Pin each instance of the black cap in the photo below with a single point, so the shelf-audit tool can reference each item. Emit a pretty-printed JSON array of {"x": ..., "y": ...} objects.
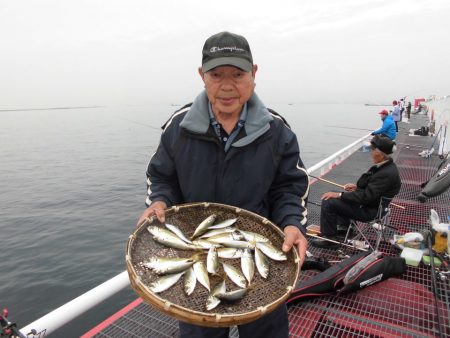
[
  {"x": 383, "y": 143},
  {"x": 226, "y": 48}
]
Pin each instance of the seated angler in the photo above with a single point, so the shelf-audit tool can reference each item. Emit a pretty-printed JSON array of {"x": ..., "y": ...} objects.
[
  {"x": 360, "y": 201},
  {"x": 388, "y": 127}
]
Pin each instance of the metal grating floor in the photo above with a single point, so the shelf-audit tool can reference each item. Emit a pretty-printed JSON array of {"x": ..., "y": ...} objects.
[{"x": 397, "y": 307}]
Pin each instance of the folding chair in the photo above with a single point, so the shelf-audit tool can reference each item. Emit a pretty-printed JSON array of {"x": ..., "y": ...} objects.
[{"x": 371, "y": 229}]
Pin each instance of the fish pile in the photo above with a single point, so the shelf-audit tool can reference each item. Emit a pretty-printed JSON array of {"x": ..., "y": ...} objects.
[{"x": 221, "y": 240}]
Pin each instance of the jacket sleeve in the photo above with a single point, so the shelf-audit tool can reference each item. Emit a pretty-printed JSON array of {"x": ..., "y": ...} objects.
[
  {"x": 383, "y": 129},
  {"x": 371, "y": 193},
  {"x": 162, "y": 181},
  {"x": 289, "y": 191}
]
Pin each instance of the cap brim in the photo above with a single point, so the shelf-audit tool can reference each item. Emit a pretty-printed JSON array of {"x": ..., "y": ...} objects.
[{"x": 227, "y": 61}]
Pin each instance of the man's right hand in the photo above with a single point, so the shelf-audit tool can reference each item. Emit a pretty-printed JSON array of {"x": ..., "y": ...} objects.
[
  {"x": 157, "y": 209},
  {"x": 350, "y": 187}
]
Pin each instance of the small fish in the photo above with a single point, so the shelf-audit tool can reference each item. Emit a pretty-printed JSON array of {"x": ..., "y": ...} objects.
[
  {"x": 248, "y": 265},
  {"x": 168, "y": 238},
  {"x": 165, "y": 282},
  {"x": 212, "y": 260},
  {"x": 163, "y": 266},
  {"x": 232, "y": 296},
  {"x": 203, "y": 226},
  {"x": 235, "y": 275},
  {"x": 253, "y": 236},
  {"x": 212, "y": 300},
  {"x": 201, "y": 274},
  {"x": 204, "y": 244},
  {"x": 238, "y": 244},
  {"x": 229, "y": 253},
  {"x": 226, "y": 236},
  {"x": 215, "y": 232},
  {"x": 262, "y": 263},
  {"x": 176, "y": 230},
  {"x": 224, "y": 224},
  {"x": 270, "y": 251},
  {"x": 189, "y": 281}
]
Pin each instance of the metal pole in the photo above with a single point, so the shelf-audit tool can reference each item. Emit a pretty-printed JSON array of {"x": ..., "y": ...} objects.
[{"x": 69, "y": 311}]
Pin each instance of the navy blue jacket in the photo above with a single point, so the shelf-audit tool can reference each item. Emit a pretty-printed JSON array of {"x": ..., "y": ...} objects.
[{"x": 262, "y": 172}]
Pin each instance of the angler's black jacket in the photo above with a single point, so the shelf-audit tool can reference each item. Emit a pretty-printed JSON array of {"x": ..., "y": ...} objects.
[
  {"x": 382, "y": 181},
  {"x": 262, "y": 171}
]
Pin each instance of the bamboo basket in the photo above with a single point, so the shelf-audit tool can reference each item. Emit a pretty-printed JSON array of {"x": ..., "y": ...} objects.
[{"x": 264, "y": 295}]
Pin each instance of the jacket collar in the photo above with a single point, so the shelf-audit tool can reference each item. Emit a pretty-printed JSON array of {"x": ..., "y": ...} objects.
[{"x": 257, "y": 123}]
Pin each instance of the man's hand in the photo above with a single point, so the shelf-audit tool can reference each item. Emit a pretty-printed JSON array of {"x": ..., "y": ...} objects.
[
  {"x": 157, "y": 209},
  {"x": 330, "y": 194},
  {"x": 293, "y": 236},
  {"x": 350, "y": 187}
]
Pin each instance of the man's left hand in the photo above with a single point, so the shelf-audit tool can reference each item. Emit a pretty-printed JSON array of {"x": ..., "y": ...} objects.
[{"x": 293, "y": 236}]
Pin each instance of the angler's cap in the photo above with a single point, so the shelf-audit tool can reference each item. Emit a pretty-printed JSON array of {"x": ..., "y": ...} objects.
[
  {"x": 383, "y": 144},
  {"x": 384, "y": 112},
  {"x": 226, "y": 49}
]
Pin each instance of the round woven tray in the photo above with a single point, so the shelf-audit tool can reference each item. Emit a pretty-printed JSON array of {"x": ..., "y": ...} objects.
[{"x": 264, "y": 295}]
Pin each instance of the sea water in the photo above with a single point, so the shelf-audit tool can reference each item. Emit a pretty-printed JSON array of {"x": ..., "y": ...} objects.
[{"x": 73, "y": 185}]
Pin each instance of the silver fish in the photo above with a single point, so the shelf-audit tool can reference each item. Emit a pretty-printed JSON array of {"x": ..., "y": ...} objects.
[
  {"x": 253, "y": 236},
  {"x": 224, "y": 224},
  {"x": 215, "y": 232},
  {"x": 204, "y": 244},
  {"x": 262, "y": 263},
  {"x": 176, "y": 230},
  {"x": 165, "y": 282},
  {"x": 232, "y": 296},
  {"x": 226, "y": 236},
  {"x": 168, "y": 238},
  {"x": 238, "y": 244},
  {"x": 270, "y": 251},
  {"x": 235, "y": 275},
  {"x": 248, "y": 265},
  {"x": 212, "y": 300},
  {"x": 229, "y": 253},
  {"x": 201, "y": 274},
  {"x": 163, "y": 266},
  {"x": 203, "y": 226},
  {"x": 189, "y": 281},
  {"x": 212, "y": 260}
]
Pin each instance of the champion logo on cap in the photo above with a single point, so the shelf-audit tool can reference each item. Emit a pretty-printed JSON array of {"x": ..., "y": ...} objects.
[{"x": 230, "y": 49}]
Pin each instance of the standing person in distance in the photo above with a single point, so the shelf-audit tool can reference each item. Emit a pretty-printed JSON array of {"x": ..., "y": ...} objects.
[
  {"x": 395, "y": 111},
  {"x": 227, "y": 147}
]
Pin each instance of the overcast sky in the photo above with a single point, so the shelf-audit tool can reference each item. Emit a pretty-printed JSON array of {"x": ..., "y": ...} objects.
[{"x": 62, "y": 53}]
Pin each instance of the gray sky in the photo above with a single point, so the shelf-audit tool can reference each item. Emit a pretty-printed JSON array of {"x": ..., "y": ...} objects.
[{"x": 62, "y": 53}]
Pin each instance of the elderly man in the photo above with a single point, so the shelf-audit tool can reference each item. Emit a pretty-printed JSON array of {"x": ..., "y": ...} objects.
[
  {"x": 227, "y": 147},
  {"x": 388, "y": 128},
  {"x": 360, "y": 201}
]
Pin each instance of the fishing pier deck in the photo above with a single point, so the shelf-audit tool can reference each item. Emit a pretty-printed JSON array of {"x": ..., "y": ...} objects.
[{"x": 403, "y": 306}]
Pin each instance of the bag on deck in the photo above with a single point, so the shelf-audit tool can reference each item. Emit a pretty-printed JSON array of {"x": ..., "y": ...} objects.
[
  {"x": 422, "y": 131},
  {"x": 354, "y": 273},
  {"x": 437, "y": 184}
]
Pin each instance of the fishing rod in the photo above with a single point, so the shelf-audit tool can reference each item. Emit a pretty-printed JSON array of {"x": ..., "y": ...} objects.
[
  {"x": 433, "y": 279},
  {"x": 343, "y": 187},
  {"x": 335, "y": 242},
  {"x": 349, "y": 128}
]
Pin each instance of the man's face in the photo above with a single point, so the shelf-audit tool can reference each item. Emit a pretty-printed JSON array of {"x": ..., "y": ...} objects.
[
  {"x": 228, "y": 88},
  {"x": 377, "y": 156}
]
